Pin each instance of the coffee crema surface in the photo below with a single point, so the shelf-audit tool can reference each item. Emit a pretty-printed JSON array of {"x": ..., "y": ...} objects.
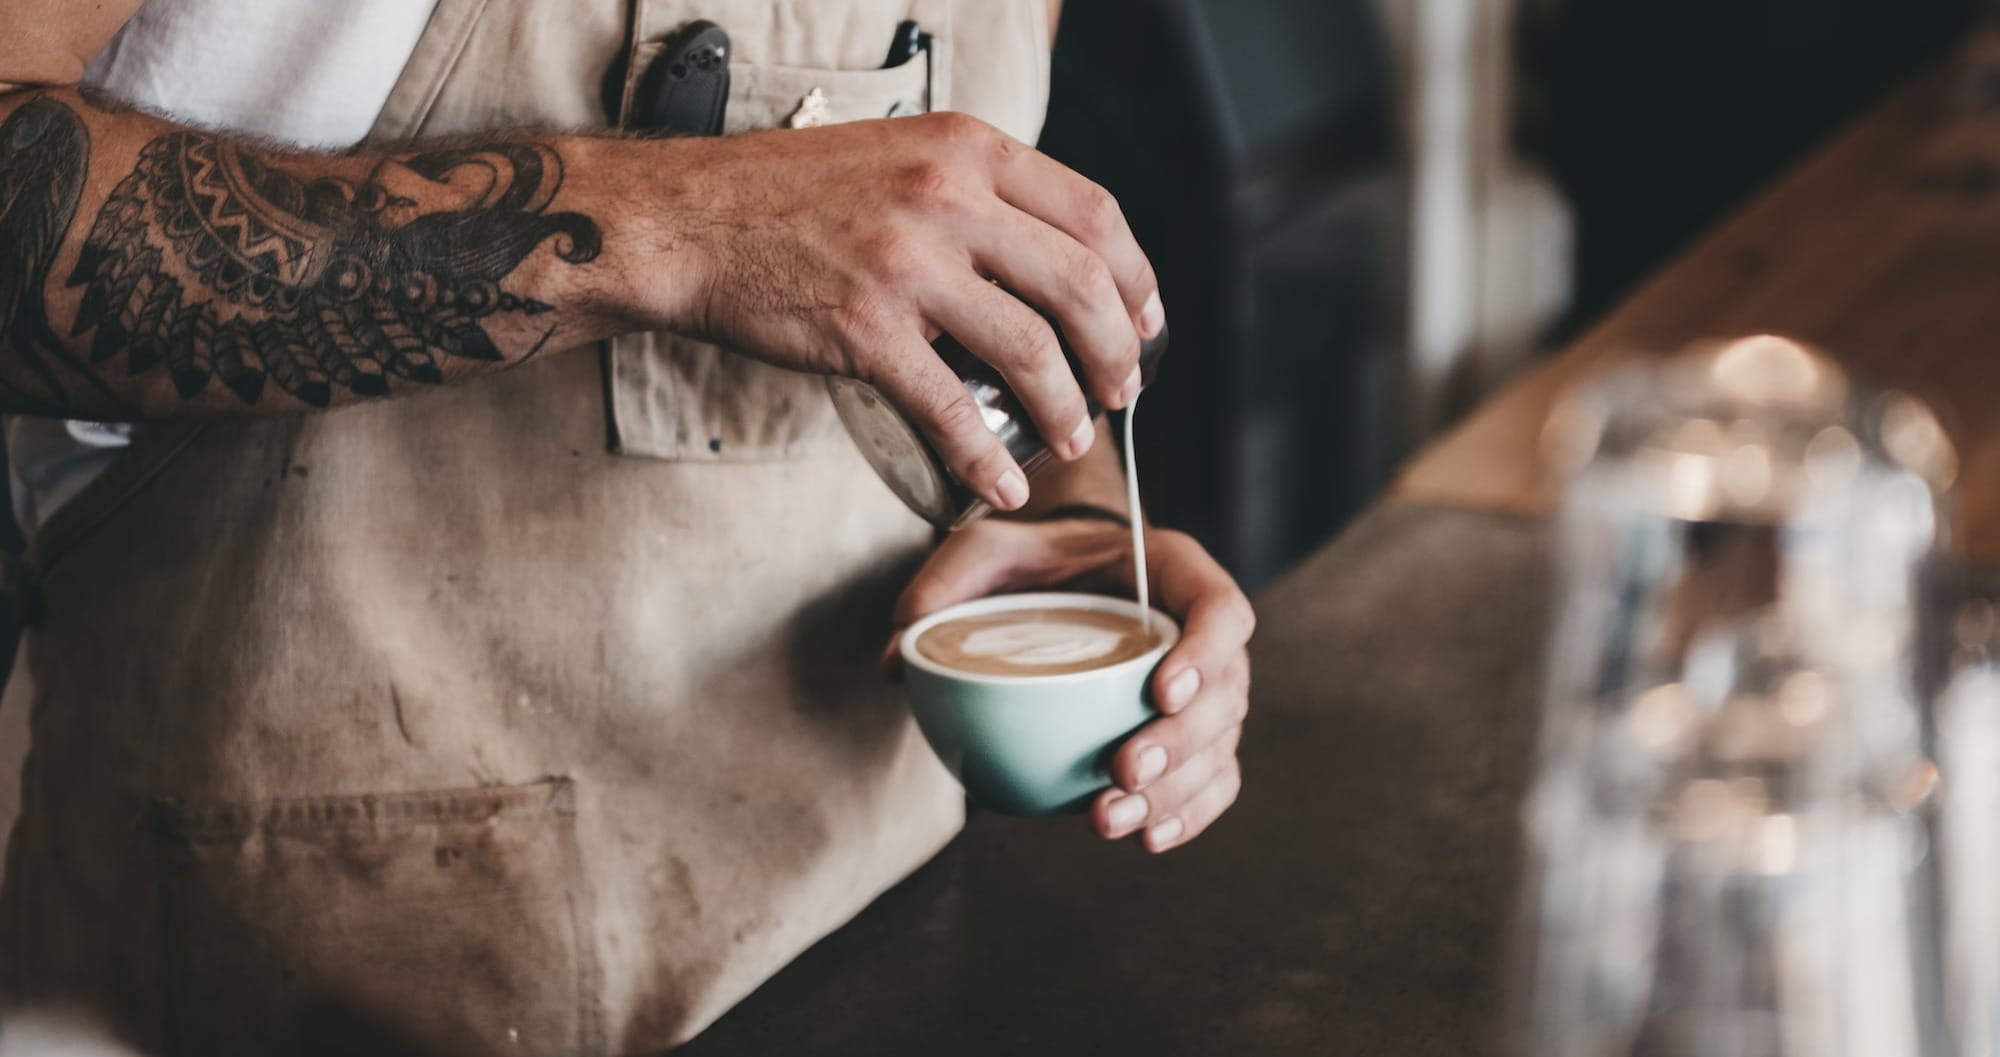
[{"x": 1042, "y": 641}]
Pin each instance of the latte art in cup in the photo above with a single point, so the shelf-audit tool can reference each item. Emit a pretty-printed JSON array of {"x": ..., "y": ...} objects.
[
  {"x": 1035, "y": 642},
  {"x": 1023, "y": 696}
]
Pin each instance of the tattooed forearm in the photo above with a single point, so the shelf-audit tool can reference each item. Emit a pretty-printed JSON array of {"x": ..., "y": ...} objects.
[
  {"x": 222, "y": 267},
  {"x": 227, "y": 268},
  {"x": 44, "y": 152}
]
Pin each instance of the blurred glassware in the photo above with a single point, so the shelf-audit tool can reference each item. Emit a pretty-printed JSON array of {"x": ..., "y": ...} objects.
[
  {"x": 1968, "y": 740},
  {"x": 43, "y": 1033},
  {"x": 1724, "y": 859}
]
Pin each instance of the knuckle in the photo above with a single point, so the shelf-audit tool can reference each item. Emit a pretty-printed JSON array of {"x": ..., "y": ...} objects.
[
  {"x": 1029, "y": 343},
  {"x": 1232, "y": 785},
  {"x": 1089, "y": 278},
  {"x": 955, "y": 414},
  {"x": 869, "y": 322},
  {"x": 888, "y": 252},
  {"x": 926, "y": 184},
  {"x": 959, "y": 128},
  {"x": 1097, "y": 209},
  {"x": 1239, "y": 706},
  {"x": 1236, "y": 674},
  {"x": 1245, "y": 616},
  {"x": 1006, "y": 148},
  {"x": 1231, "y": 741}
]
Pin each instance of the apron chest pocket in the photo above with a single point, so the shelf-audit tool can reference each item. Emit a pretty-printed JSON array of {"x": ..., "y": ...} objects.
[
  {"x": 454, "y": 919},
  {"x": 668, "y": 397}
]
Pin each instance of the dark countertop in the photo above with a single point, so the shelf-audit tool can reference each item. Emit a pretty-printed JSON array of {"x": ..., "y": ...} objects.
[{"x": 1356, "y": 900}]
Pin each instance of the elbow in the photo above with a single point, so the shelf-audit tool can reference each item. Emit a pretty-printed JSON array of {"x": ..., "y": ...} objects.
[
  {"x": 49, "y": 66},
  {"x": 47, "y": 74},
  {"x": 17, "y": 86}
]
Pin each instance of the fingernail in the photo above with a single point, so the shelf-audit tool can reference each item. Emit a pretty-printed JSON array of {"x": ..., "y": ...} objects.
[
  {"x": 1152, "y": 764},
  {"x": 1013, "y": 489},
  {"x": 1130, "y": 390},
  {"x": 1180, "y": 690},
  {"x": 1164, "y": 832},
  {"x": 1125, "y": 814},
  {"x": 1152, "y": 317},
  {"x": 1079, "y": 441}
]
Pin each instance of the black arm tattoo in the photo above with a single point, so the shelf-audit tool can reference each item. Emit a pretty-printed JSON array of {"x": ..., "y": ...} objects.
[
  {"x": 214, "y": 259},
  {"x": 44, "y": 154}
]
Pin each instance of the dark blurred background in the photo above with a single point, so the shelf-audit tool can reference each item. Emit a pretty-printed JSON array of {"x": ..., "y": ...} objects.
[{"x": 1368, "y": 213}]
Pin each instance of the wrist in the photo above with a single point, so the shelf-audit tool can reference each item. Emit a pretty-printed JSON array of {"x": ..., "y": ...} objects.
[{"x": 652, "y": 272}]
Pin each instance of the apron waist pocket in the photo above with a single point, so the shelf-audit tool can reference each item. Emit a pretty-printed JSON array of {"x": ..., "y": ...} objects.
[{"x": 286, "y": 922}]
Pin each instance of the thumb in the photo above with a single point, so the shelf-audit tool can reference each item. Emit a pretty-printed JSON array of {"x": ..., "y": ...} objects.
[
  {"x": 974, "y": 562},
  {"x": 982, "y": 559}
]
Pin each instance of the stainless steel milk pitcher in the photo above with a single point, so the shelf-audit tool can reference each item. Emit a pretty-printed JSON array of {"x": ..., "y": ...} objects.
[{"x": 914, "y": 471}]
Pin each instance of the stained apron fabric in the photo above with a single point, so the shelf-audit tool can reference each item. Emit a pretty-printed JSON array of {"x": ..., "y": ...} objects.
[
  {"x": 442, "y": 708},
  {"x": 212, "y": 63}
]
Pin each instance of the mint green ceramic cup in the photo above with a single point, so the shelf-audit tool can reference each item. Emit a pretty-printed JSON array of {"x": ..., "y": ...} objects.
[{"x": 1031, "y": 744}]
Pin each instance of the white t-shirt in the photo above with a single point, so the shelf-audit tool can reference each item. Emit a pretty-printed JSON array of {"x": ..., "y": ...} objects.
[{"x": 307, "y": 72}]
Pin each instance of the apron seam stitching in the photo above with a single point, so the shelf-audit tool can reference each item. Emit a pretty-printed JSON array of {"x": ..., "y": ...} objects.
[{"x": 428, "y": 105}]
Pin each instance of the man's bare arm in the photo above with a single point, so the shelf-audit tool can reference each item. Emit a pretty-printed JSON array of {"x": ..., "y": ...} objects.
[
  {"x": 148, "y": 268},
  {"x": 152, "y": 269}
]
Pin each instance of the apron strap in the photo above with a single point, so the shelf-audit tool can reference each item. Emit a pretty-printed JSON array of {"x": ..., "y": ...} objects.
[{"x": 438, "y": 51}]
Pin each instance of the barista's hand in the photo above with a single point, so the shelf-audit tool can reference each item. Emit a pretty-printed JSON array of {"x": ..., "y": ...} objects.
[
  {"x": 1178, "y": 773},
  {"x": 847, "y": 249}
]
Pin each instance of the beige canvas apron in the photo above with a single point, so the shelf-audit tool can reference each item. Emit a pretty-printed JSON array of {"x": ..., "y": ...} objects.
[{"x": 443, "y": 706}]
